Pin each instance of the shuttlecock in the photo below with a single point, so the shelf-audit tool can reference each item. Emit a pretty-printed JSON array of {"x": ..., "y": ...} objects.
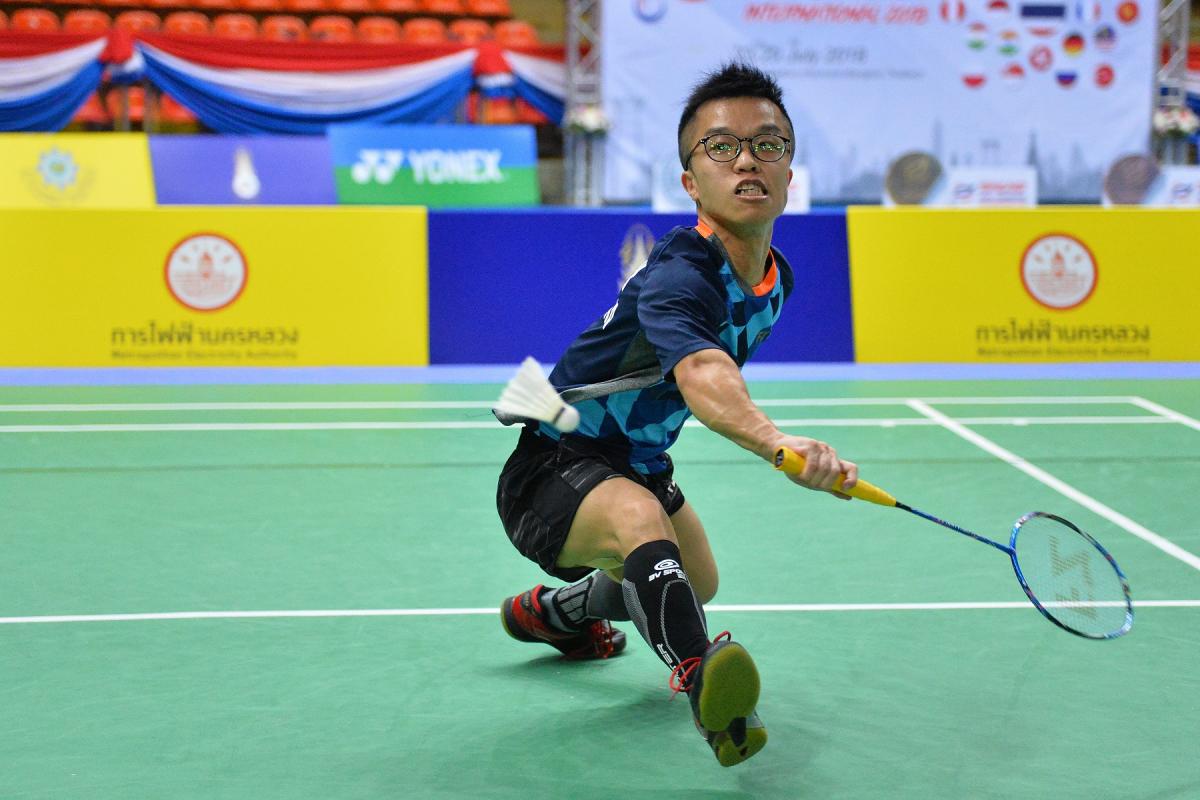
[{"x": 530, "y": 395}]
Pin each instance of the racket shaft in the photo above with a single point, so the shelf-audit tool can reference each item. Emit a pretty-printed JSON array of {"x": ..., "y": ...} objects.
[{"x": 791, "y": 462}]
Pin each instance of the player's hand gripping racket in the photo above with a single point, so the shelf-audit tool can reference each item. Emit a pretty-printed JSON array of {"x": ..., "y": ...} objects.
[{"x": 1067, "y": 575}]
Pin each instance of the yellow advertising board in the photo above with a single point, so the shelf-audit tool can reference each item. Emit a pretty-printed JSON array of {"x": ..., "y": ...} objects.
[
  {"x": 1024, "y": 285},
  {"x": 203, "y": 286},
  {"x": 75, "y": 170}
]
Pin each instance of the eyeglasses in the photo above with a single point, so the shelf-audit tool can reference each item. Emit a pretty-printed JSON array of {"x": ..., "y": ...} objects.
[{"x": 723, "y": 147}]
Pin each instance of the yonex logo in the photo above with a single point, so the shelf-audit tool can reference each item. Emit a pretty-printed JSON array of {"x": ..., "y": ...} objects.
[{"x": 668, "y": 563}]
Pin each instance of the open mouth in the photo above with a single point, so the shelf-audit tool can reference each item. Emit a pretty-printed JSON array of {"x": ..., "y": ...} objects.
[{"x": 751, "y": 189}]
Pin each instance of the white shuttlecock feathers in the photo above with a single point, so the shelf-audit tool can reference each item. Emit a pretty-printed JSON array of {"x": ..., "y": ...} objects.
[{"x": 530, "y": 395}]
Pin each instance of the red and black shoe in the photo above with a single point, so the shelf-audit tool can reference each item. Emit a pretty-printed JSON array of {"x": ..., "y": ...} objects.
[
  {"x": 723, "y": 687},
  {"x": 524, "y": 619}
]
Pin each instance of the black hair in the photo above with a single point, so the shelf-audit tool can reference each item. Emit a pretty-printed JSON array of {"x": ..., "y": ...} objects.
[{"x": 735, "y": 79}]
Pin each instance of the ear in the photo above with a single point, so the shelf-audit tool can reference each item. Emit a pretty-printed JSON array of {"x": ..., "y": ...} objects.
[{"x": 689, "y": 185}]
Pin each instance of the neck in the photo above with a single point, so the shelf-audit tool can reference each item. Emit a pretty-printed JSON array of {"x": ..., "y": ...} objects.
[{"x": 747, "y": 250}]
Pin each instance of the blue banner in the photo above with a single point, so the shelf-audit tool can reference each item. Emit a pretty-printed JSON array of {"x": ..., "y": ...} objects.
[
  {"x": 505, "y": 285},
  {"x": 242, "y": 170}
]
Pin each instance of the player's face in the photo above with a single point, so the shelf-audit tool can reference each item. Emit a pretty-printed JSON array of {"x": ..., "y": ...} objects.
[{"x": 746, "y": 192}]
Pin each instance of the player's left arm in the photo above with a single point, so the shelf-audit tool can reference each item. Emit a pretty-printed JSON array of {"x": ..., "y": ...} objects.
[{"x": 713, "y": 388}]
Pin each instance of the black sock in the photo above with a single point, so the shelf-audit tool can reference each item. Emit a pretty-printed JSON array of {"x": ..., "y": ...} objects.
[{"x": 661, "y": 602}]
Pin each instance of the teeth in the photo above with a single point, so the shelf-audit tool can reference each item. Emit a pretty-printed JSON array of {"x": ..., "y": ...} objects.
[{"x": 751, "y": 190}]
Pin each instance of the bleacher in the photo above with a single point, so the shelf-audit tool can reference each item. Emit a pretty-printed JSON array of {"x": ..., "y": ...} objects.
[{"x": 420, "y": 22}]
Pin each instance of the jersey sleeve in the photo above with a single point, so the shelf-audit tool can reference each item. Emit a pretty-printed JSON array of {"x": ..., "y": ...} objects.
[{"x": 681, "y": 310}]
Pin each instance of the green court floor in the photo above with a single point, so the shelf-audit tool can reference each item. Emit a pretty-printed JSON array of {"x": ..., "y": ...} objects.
[{"x": 285, "y": 591}]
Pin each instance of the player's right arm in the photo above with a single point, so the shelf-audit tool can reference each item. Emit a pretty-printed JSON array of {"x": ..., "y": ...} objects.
[{"x": 713, "y": 388}]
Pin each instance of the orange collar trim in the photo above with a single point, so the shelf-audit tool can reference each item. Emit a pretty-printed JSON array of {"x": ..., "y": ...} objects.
[{"x": 772, "y": 275}]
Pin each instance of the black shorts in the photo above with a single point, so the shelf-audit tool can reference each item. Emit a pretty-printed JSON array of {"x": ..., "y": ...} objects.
[{"x": 543, "y": 483}]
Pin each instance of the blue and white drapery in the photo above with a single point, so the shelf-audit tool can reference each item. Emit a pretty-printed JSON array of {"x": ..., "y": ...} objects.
[
  {"x": 45, "y": 78},
  {"x": 285, "y": 89}
]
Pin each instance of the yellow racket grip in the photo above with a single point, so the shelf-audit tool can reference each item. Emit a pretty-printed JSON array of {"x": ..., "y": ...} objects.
[{"x": 791, "y": 462}]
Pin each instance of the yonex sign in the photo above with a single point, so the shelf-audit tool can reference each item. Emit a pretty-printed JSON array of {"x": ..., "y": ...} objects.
[{"x": 439, "y": 166}]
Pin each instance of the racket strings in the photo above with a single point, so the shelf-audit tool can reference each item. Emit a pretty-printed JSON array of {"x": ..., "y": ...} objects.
[{"x": 1071, "y": 577}]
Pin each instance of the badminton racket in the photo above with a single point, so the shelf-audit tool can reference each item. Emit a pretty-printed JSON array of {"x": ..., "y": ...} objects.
[{"x": 1067, "y": 575}]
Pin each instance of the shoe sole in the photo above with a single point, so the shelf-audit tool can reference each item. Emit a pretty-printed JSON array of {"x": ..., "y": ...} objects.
[
  {"x": 730, "y": 688},
  {"x": 729, "y": 753},
  {"x": 509, "y": 623}
]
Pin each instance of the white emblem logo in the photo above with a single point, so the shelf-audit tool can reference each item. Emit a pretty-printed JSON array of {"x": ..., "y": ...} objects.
[
  {"x": 246, "y": 184},
  {"x": 1059, "y": 271},
  {"x": 635, "y": 251},
  {"x": 667, "y": 563},
  {"x": 57, "y": 168},
  {"x": 206, "y": 272}
]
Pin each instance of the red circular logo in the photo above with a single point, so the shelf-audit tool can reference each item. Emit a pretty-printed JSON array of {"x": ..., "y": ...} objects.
[
  {"x": 1041, "y": 57},
  {"x": 1104, "y": 75},
  {"x": 206, "y": 272},
  {"x": 1059, "y": 271}
]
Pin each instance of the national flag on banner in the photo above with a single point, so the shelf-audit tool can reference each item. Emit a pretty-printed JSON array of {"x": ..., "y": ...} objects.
[
  {"x": 953, "y": 10},
  {"x": 1073, "y": 44},
  {"x": 1043, "y": 11},
  {"x": 1106, "y": 38},
  {"x": 1086, "y": 11},
  {"x": 1041, "y": 58},
  {"x": 1104, "y": 76},
  {"x": 1127, "y": 12},
  {"x": 1066, "y": 78}
]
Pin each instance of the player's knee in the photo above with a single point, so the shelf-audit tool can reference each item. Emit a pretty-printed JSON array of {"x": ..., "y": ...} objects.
[{"x": 640, "y": 519}]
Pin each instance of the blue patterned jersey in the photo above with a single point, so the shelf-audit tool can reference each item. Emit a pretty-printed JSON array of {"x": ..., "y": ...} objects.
[{"x": 618, "y": 373}]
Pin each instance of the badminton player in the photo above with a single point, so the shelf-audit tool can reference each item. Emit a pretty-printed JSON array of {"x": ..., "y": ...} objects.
[{"x": 598, "y": 508}]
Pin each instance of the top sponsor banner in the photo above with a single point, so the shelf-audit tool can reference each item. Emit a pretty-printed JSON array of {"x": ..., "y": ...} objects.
[
  {"x": 1062, "y": 88},
  {"x": 75, "y": 170},
  {"x": 440, "y": 166},
  {"x": 242, "y": 170}
]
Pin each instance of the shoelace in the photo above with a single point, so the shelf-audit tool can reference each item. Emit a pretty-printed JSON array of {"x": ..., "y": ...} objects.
[
  {"x": 602, "y": 638},
  {"x": 681, "y": 676}
]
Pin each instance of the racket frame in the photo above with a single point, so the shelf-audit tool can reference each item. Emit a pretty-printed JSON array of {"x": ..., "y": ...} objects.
[{"x": 1045, "y": 612}]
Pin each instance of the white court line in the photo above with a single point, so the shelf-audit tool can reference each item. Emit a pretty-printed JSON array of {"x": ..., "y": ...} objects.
[
  {"x": 1174, "y": 416},
  {"x": 880, "y": 422},
  {"x": 455, "y": 612},
  {"x": 1040, "y": 475},
  {"x": 416, "y": 405}
]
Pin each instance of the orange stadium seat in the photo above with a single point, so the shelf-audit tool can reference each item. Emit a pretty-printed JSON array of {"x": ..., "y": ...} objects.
[
  {"x": 444, "y": 8},
  {"x": 470, "y": 31},
  {"x": 283, "y": 28},
  {"x": 235, "y": 26},
  {"x": 169, "y": 5},
  {"x": 121, "y": 3},
  {"x": 215, "y": 5},
  {"x": 86, "y": 20},
  {"x": 264, "y": 6},
  {"x": 398, "y": 6},
  {"x": 34, "y": 19},
  {"x": 380, "y": 30},
  {"x": 331, "y": 28},
  {"x": 528, "y": 115},
  {"x": 137, "y": 103},
  {"x": 135, "y": 21},
  {"x": 351, "y": 6},
  {"x": 305, "y": 6},
  {"x": 92, "y": 112},
  {"x": 192, "y": 23},
  {"x": 423, "y": 30},
  {"x": 170, "y": 111},
  {"x": 489, "y": 8},
  {"x": 515, "y": 33}
]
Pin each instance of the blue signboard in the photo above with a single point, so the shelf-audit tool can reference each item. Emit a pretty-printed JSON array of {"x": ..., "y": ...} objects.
[
  {"x": 242, "y": 170},
  {"x": 440, "y": 166},
  {"x": 505, "y": 285}
]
